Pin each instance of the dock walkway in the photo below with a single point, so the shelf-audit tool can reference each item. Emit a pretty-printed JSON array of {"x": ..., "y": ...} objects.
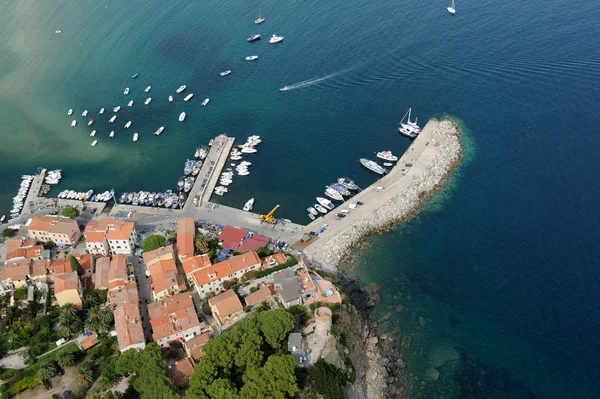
[{"x": 34, "y": 190}]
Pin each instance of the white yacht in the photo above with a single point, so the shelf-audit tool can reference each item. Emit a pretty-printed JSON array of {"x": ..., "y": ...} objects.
[
  {"x": 114, "y": 118},
  {"x": 90, "y": 122},
  {"x": 248, "y": 150},
  {"x": 252, "y": 57},
  {"x": 275, "y": 39},
  {"x": 170, "y": 99},
  {"x": 205, "y": 102},
  {"x": 94, "y": 143},
  {"x": 135, "y": 137},
  {"x": 93, "y": 133},
  {"x": 126, "y": 91},
  {"x": 182, "y": 117},
  {"x": 248, "y": 206},
  {"x": 284, "y": 88},
  {"x": 117, "y": 108},
  {"x": 70, "y": 112},
  {"x": 188, "y": 97},
  {"x": 410, "y": 125},
  {"x": 452, "y": 9},
  {"x": 159, "y": 131},
  {"x": 130, "y": 103},
  {"x": 84, "y": 113},
  {"x": 74, "y": 123},
  {"x": 112, "y": 134},
  {"x": 387, "y": 156},
  {"x": 148, "y": 100},
  {"x": 147, "y": 89},
  {"x": 127, "y": 125},
  {"x": 260, "y": 18},
  {"x": 181, "y": 88}
]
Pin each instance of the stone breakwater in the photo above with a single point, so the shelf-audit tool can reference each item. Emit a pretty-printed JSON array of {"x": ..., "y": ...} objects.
[{"x": 433, "y": 154}]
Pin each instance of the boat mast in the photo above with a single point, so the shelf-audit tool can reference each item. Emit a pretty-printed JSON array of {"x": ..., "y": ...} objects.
[
  {"x": 408, "y": 120},
  {"x": 401, "y": 120}
]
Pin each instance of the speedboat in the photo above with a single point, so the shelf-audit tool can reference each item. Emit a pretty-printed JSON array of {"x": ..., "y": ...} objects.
[
  {"x": 127, "y": 125},
  {"x": 93, "y": 133},
  {"x": 126, "y": 91},
  {"x": 253, "y": 38},
  {"x": 182, "y": 117},
  {"x": 130, "y": 103},
  {"x": 148, "y": 100},
  {"x": 248, "y": 206},
  {"x": 74, "y": 123},
  {"x": 320, "y": 208},
  {"x": 203, "y": 153},
  {"x": 248, "y": 150},
  {"x": 181, "y": 88},
  {"x": 135, "y": 75},
  {"x": 325, "y": 202},
  {"x": 70, "y": 112},
  {"x": 275, "y": 39},
  {"x": 180, "y": 183},
  {"x": 117, "y": 108},
  {"x": 312, "y": 211},
  {"x": 225, "y": 73},
  {"x": 84, "y": 113},
  {"x": 252, "y": 57},
  {"x": 135, "y": 137},
  {"x": 91, "y": 121},
  {"x": 245, "y": 163},
  {"x": 243, "y": 172},
  {"x": 159, "y": 131},
  {"x": 101, "y": 111},
  {"x": 235, "y": 157},
  {"x": 187, "y": 98},
  {"x": 170, "y": 99},
  {"x": 112, "y": 134},
  {"x": 205, "y": 102},
  {"x": 388, "y": 164},
  {"x": 387, "y": 155},
  {"x": 373, "y": 166},
  {"x": 111, "y": 120},
  {"x": 333, "y": 194},
  {"x": 260, "y": 18},
  {"x": 94, "y": 143},
  {"x": 341, "y": 189},
  {"x": 147, "y": 89},
  {"x": 284, "y": 88}
]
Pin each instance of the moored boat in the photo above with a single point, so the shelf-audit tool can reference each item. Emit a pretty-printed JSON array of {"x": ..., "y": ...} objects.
[
  {"x": 112, "y": 134},
  {"x": 135, "y": 75},
  {"x": 320, "y": 208},
  {"x": 312, "y": 211},
  {"x": 101, "y": 111},
  {"x": 260, "y": 18},
  {"x": 159, "y": 131},
  {"x": 252, "y": 57},
  {"x": 148, "y": 89},
  {"x": 188, "y": 97},
  {"x": 225, "y": 73},
  {"x": 148, "y": 100},
  {"x": 180, "y": 183},
  {"x": 117, "y": 108},
  {"x": 181, "y": 88},
  {"x": 333, "y": 194},
  {"x": 90, "y": 122},
  {"x": 94, "y": 143},
  {"x": 373, "y": 166},
  {"x": 70, "y": 112},
  {"x": 93, "y": 133},
  {"x": 387, "y": 155},
  {"x": 253, "y": 38},
  {"x": 111, "y": 120},
  {"x": 135, "y": 137},
  {"x": 126, "y": 91},
  {"x": 189, "y": 165},
  {"x": 205, "y": 102},
  {"x": 127, "y": 125},
  {"x": 130, "y": 103},
  {"x": 249, "y": 205},
  {"x": 74, "y": 123},
  {"x": 170, "y": 99},
  {"x": 182, "y": 117},
  {"x": 84, "y": 113},
  {"x": 325, "y": 202}
]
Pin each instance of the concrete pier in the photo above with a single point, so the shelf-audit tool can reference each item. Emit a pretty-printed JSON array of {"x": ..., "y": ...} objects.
[{"x": 34, "y": 190}]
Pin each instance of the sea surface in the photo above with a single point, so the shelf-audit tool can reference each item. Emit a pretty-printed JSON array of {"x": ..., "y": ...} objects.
[{"x": 493, "y": 289}]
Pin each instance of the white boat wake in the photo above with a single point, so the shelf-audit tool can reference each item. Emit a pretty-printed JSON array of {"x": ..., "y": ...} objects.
[{"x": 312, "y": 82}]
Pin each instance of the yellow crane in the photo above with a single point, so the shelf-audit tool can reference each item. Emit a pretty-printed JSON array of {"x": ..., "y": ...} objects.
[{"x": 269, "y": 216}]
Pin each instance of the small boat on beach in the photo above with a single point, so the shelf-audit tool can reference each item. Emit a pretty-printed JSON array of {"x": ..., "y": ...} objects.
[
  {"x": 387, "y": 156},
  {"x": 249, "y": 205},
  {"x": 159, "y": 131},
  {"x": 84, "y": 113},
  {"x": 252, "y": 57},
  {"x": 93, "y": 133},
  {"x": 284, "y": 88},
  {"x": 253, "y": 38},
  {"x": 181, "y": 88},
  {"x": 117, "y": 108},
  {"x": 148, "y": 100},
  {"x": 205, "y": 102},
  {"x": 74, "y": 123},
  {"x": 135, "y": 137},
  {"x": 170, "y": 99},
  {"x": 127, "y": 125},
  {"x": 225, "y": 73},
  {"x": 135, "y": 75},
  {"x": 126, "y": 91},
  {"x": 188, "y": 97},
  {"x": 111, "y": 120},
  {"x": 148, "y": 89},
  {"x": 182, "y": 117},
  {"x": 91, "y": 121},
  {"x": 70, "y": 112},
  {"x": 94, "y": 143},
  {"x": 275, "y": 39},
  {"x": 373, "y": 166},
  {"x": 101, "y": 111},
  {"x": 112, "y": 134},
  {"x": 130, "y": 103}
]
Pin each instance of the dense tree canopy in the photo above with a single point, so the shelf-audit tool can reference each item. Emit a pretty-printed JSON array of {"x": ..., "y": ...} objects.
[
  {"x": 76, "y": 266},
  {"x": 70, "y": 212},
  {"x": 69, "y": 323},
  {"x": 153, "y": 242},
  {"x": 275, "y": 326}
]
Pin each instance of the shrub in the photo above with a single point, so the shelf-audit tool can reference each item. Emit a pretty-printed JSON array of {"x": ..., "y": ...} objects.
[
  {"x": 153, "y": 242},
  {"x": 70, "y": 212}
]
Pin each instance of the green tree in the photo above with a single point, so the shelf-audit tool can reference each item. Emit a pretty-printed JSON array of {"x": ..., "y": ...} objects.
[
  {"x": 275, "y": 326},
  {"x": 153, "y": 242},
  {"x": 327, "y": 379},
  {"x": 85, "y": 375},
  {"x": 263, "y": 252},
  {"x": 277, "y": 379},
  {"x": 94, "y": 298},
  {"x": 105, "y": 395},
  {"x": 66, "y": 359},
  {"x": 206, "y": 372},
  {"x": 205, "y": 306},
  {"x": 49, "y": 244},
  {"x": 201, "y": 244},
  {"x": 109, "y": 373},
  {"x": 75, "y": 265},
  {"x": 68, "y": 322},
  {"x": 70, "y": 212},
  {"x": 8, "y": 233},
  {"x": 222, "y": 389},
  {"x": 99, "y": 320},
  {"x": 47, "y": 371}
]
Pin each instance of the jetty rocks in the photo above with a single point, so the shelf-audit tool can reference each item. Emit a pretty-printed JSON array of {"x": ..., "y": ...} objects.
[{"x": 433, "y": 155}]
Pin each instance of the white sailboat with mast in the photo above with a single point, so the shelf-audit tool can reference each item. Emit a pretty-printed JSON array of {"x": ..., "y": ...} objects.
[{"x": 452, "y": 9}]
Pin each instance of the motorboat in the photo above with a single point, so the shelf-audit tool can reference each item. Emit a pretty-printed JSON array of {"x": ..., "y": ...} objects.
[
  {"x": 88, "y": 195},
  {"x": 243, "y": 172},
  {"x": 252, "y": 57},
  {"x": 126, "y": 91},
  {"x": 159, "y": 131},
  {"x": 196, "y": 168},
  {"x": 93, "y": 133},
  {"x": 114, "y": 118},
  {"x": 135, "y": 137},
  {"x": 74, "y": 123},
  {"x": 101, "y": 111},
  {"x": 170, "y": 99},
  {"x": 346, "y": 182},
  {"x": 245, "y": 163},
  {"x": 248, "y": 206},
  {"x": 284, "y": 88},
  {"x": 320, "y": 208},
  {"x": 148, "y": 100},
  {"x": 94, "y": 143},
  {"x": 127, "y": 125},
  {"x": 188, "y": 97},
  {"x": 408, "y": 131},
  {"x": 253, "y": 38},
  {"x": 112, "y": 134},
  {"x": 225, "y": 73},
  {"x": 311, "y": 216},
  {"x": 70, "y": 112},
  {"x": 130, "y": 103},
  {"x": 84, "y": 113},
  {"x": 312, "y": 211},
  {"x": 135, "y": 75},
  {"x": 2, "y": 218},
  {"x": 148, "y": 89},
  {"x": 341, "y": 189},
  {"x": 189, "y": 183},
  {"x": 452, "y": 9},
  {"x": 117, "y": 108},
  {"x": 333, "y": 194},
  {"x": 248, "y": 150},
  {"x": 189, "y": 165},
  {"x": 205, "y": 102},
  {"x": 235, "y": 157},
  {"x": 182, "y": 117},
  {"x": 225, "y": 182},
  {"x": 373, "y": 166},
  {"x": 180, "y": 183},
  {"x": 260, "y": 18},
  {"x": 387, "y": 155},
  {"x": 388, "y": 164},
  {"x": 325, "y": 202},
  {"x": 91, "y": 121},
  {"x": 203, "y": 152},
  {"x": 181, "y": 88},
  {"x": 275, "y": 39}
]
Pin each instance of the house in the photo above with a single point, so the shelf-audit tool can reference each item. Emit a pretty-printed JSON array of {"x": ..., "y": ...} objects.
[
  {"x": 87, "y": 263},
  {"x": 181, "y": 371},
  {"x": 241, "y": 240},
  {"x": 297, "y": 348},
  {"x": 307, "y": 286},
  {"x": 87, "y": 340},
  {"x": 100, "y": 278},
  {"x": 117, "y": 274},
  {"x": 5, "y": 287},
  {"x": 194, "y": 346},
  {"x": 185, "y": 238},
  {"x": 64, "y": 232},
  {"x": 19, "y": 248},
  {"x": 194, "y": 263},
  {"x": 174, "y": 318},
  {"x": 17, "y": 272},
  {"x": 211, "y": 278},
  {"x": 39, "y": 270},
  {"x": 252, "y": 242},
  {"x": 289, "y": 292},
  {"x": 258, "y": 297},
  {"x": 225, "y": 307},
  {"x": 128, "y": 321},
  {"x": 60, "y": 266},
  {"x": 274, "y": 260},
  {"x": 67, "y": 289},
  {"x": 108, "y": 236},
  {"x": 163, "y": 271}
]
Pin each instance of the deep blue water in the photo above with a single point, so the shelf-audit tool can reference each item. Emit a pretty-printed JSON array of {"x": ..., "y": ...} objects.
[{"x": 501, "y": 268}]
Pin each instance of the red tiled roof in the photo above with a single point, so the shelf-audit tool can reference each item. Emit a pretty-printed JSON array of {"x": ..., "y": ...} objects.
[
  {"x": 66, "y": 281},
  {"x": 38, "y": 267},
  {"x": 17, "y": 270},
  {"x": 232, "y": 236},
  {"x": 111, "y": 229},
  {"x": 195, "y": 345},
  {"x": 258, "y": 297},
  {"x": 160, "y": 253},
  {"x": 274, "y": 260},
  {"x": 172, "y": 314},
  {"x": 128, "y": 322},
  {"x": 185, "y": 237},
  {"x": 101, "y": 274},
  {"x": 253, "y": 243},
  {"x": 226, "y": 268},
  {"x": 197, "y": 262},
  {"x": 61, "y": 265},
  {"x": 117, "y": 271},
  {"x": 54, "y": 224},
  {"x": 181, "y": 371},
  {"x": 226, "y": 303}
]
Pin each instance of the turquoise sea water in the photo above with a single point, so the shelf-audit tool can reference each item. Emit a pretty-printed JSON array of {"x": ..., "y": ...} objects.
[{"x": 494, "y": 285}]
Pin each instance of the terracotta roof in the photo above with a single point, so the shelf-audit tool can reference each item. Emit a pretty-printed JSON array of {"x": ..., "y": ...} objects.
[
  {"x": 164, "y": 275},
  {"x": 117, "y": 271},
  {"x": 128, "y": 322},
  {"x": 274, "y": 260},
  {"x": 253, "y": 243},
  {"x": 66, "y": 281},
  {"x": 232, "y": 236},
  {"x": 194, "y": 346},
  {"x": 226, "y": 303},
  {"x": 181, "y": 371},
  {"x": 17, "y": 270},
  {"x": 89, "y": 341},
  {"x": 39, "y": 267},
  {"x": 158, "y": 254},
  {"x": 26, "y": 252},
  {"x": 172, "y": 314},
  {"x": 94, "y": 236},
  {"x": 194, "y": 263},
  {"x": 112, "y": 229},
  {"x": 258, "y": 297},
  {"x": 226, "y": 268},
  {"x": 61, "y": 265},
  {"x": 13, "y": 243},
  {"x": 305, "y": 281},
  {"x": 85, "y": 261},
  {"x": 185, "y": 237},
  {"x": 101, "y": 275},
  {"x": 54, "y": 224}
]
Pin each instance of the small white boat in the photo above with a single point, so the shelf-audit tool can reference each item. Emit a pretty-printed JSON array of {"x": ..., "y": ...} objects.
[
  {"x": 205, "y": 102},
  {"x": 126, "y": 91},
  {"x": 2, "y": 218},
  {"x": 188, "y": 97},
  {"x": 84, "y": 113},
  {"x": 112, "y": 134},
  {"x": 243, "y": 172},
  {"x": 248, "y": 150},
  {"x": 147, "y": 89},
  {"x": 452, "y": 9},
  {"x": 130, "y": 103},
  {"x": 135, "y": 137},
  {"x": 260, "y": 19},
  {"x": 284, "y": 88},
  {"x": 74, "y": 123},
  {"x": 91, "y": 121},
  {"x": 311, "y": 216},
  {"x": 225, "y": 73},
  {"x": 388, "y": 164},
  {"x": 94, "y": 143},
  {"x": 248, "y": 206},
  {"x": 235, "y": 157},
  {"x": 181, "y": 88},
  {"x": 117, "y": 108},
  {"x": 275, "y": 39},
  {"x": 312, "y": 211},
  {"x": 148, "y": 100},
  {"x": 182, "y": 117},
  {"x": 320, "y": 208},
  {"x": 245, "y": 163},
  {"x": 170, "y": 99},
  {"x": 70, "y": 112},
  {"x": 387, "y": 156},
  {"x": 252, "y": 57},
  {"x": 93, "y": 133},
  {"x": 101, "y": 111},
  {"x": 127, "y": 125},
  {"x": 159, "y": 131},
  {"x": 114, "y": 118}
]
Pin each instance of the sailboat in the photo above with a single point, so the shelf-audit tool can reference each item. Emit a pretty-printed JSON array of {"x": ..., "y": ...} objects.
[
  {"x": 410, "y": 125},
  {"x": 451, "y": 9},
  {"x": 260, "y": 19}
]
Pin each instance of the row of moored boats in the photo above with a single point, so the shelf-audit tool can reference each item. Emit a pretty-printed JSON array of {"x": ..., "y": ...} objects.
[
  {"x": 168, "y": 199},
  {"x": 238, "y": 169},
  {"x": 87, "y": 195},
  {"x": 18, "y": 200}
]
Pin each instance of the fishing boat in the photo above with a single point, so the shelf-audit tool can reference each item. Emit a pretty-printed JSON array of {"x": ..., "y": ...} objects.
[
  {"x": 225, "y": 73},
  {"x": 284, "y": 88},
  {"x": 94, "y": 143},
  {"x": 91, "y": 121},
  {"x": 333, "y": 194},
  {"x": 117, "y": 108},
  {"x": 189, "y": 183},
  {"x": 346, "y": 182},
  {"x": 135, "y": 137},
  {"x": 101, "y": 111},
  {"x": 111, "y": 120},
  {"x": 260, "y": 18},
  {"x": 320, "y": 208},
  {"x": 252, "y": 57},
  {"x": 93, "y": 133},
  {"x": 275, "y": 39},
  {"x": 70, "y": 112},
  {"x": 181, "y": 88},
  {"x": 325, "y": 203},
  {"x": 127, "y": 125},
  {"x": 373, "y": 166},
  {"x": 148, "y": 89},
  {"x": 112, "y": 134},
  {"x": 170, "y": 99},
  {"x": 135, "y": 75},
  {"x": 130, "y": 103},
  {"x": 188, "y": 167},
  {"x": 159, "y": 131},
  {"x": 84, "y": 113},
  {"x": 148, "y": 100},
  {"x": 126, "y": 91},
  {"x": 205, "y": 102},
  {"x": 74, "y": 123},
  {"x": 248, "y": 205},
  {"x": 312, "y": 211},
  {"x": 452, "y": 9},
  {"x": 387, "y": 156},
  {"x": 253, "y": 38},
  {"x": 182, "y": 117}
]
